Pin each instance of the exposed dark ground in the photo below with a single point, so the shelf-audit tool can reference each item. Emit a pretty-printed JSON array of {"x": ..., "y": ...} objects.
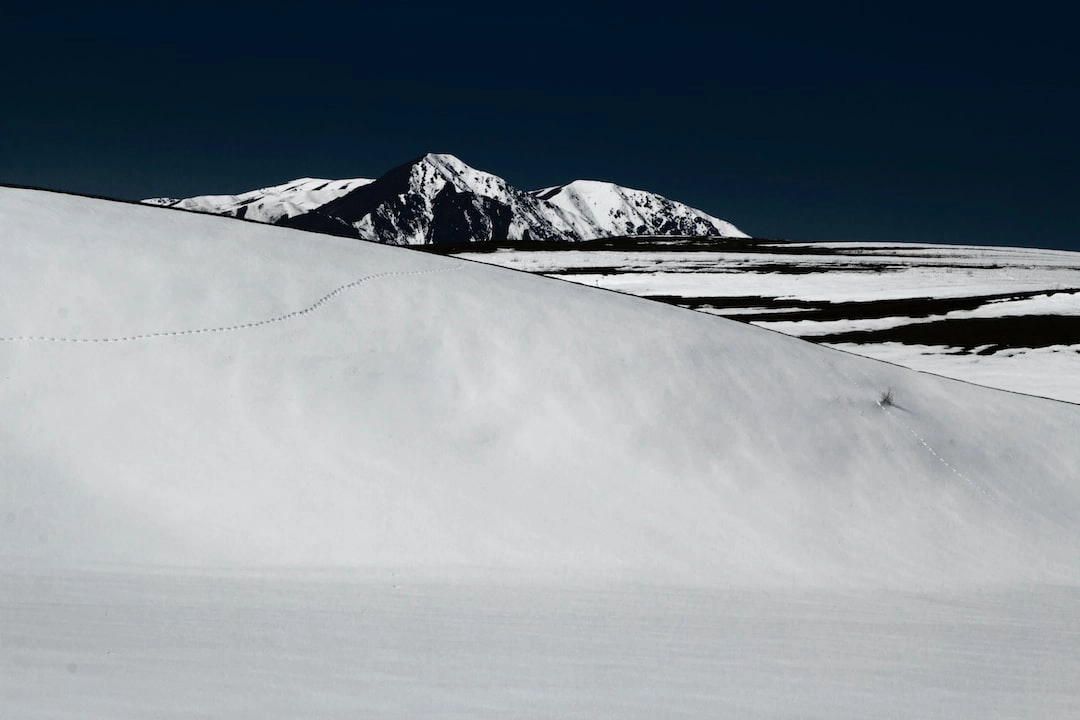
[
  {"x": 966, "y": 334},
  {"x": 988, "y": 335},
  {"x": 629, "y": 244},
  {"x": 843, "y": 310}
]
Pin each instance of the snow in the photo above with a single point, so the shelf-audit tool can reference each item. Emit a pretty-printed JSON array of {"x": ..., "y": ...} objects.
[
  {"x": 269, "y": 204},
  {"x": 830, "y": 274},
  {"x": 836, "y": 285},
  {"x": 1049, "y": 372},
  {"x": 123, "y": 645},
  {"x": 1059, "y": 303},
  {"x": 410, "y": 219},
  {"x": 602, "y": 209},
  {"x": 811, "y": 328},
  {"x": 581, "y": 210},
  {"x": 465, "y": 177},
  {"x": 254, "y": 472},
  {"x": 919, "y": 271}
]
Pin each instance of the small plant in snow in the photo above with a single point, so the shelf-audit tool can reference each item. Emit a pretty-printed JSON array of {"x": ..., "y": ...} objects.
[{"x": 886, "y": 399}]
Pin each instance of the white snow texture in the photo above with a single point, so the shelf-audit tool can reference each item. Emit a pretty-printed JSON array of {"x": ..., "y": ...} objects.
[
  {"x": 254, "y": 472},
  {"x": 235, "y": 393}
]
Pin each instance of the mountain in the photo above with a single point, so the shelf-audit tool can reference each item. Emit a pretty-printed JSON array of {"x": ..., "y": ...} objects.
[
  {"x": 437, "y": 199},
  {"x": 601, "y": 209}
]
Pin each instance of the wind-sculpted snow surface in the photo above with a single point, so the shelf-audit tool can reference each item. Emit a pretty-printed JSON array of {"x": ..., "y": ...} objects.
[
  {"x": 481, "y": 418},
  {"x": 314, "y": 645},
  {"x": 251, "y": 472}
]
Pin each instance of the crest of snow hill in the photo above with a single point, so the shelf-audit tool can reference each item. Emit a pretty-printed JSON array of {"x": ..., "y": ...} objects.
[{"x": 437, "y": 199}]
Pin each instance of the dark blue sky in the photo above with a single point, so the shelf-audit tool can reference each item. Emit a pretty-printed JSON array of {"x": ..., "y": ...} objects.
[{"x": 807, "y": 121}]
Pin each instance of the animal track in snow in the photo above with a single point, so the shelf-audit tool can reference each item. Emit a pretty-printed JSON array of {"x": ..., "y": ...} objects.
[{"x": 227, "y": 328}]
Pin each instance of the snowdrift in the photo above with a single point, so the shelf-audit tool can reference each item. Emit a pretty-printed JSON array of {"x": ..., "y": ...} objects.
[{"x": 182, "y": 389}]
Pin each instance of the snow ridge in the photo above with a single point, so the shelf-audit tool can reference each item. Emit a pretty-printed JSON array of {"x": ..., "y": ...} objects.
[{"x": 269, "y": 204}]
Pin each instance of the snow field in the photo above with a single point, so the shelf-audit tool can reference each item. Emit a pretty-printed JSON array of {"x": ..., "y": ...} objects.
[
  {"x": 406, "y": 486},
  {"x": 479, "y": 418},
  {"x": 322, "y": 645}
]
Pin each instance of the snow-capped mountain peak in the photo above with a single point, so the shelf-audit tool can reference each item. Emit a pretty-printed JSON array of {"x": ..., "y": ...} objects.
[
  {"x": 437, "y": 198},
  {"x": 452, "y": 167},
  {"x": 602, "y": 209},
  {"x": 434, "y": 171},
  {"x": 465, "y": 178}
]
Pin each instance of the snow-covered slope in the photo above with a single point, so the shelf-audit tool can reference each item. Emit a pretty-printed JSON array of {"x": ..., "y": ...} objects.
[
  {"x": 1003, "y": 317},
  {"x": 439, "y": 199},
  {"x": 179, "y": 388},
  {"x": 601, "y": 209},
  {"x": 269, "y": 204}
]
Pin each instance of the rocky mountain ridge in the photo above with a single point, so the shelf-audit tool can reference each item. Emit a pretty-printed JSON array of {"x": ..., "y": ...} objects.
[{"x": 438, "y": 199}]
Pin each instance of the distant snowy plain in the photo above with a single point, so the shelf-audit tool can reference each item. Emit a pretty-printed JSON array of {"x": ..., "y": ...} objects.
[
  {"x": 1002, "y": 317},
  {"x": 251, "y": 472}
]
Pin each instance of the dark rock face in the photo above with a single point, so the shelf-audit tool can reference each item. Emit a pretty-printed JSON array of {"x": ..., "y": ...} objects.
[
  {"x": 464, "y": 217},
  {"x": 382, "y": 199}
]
